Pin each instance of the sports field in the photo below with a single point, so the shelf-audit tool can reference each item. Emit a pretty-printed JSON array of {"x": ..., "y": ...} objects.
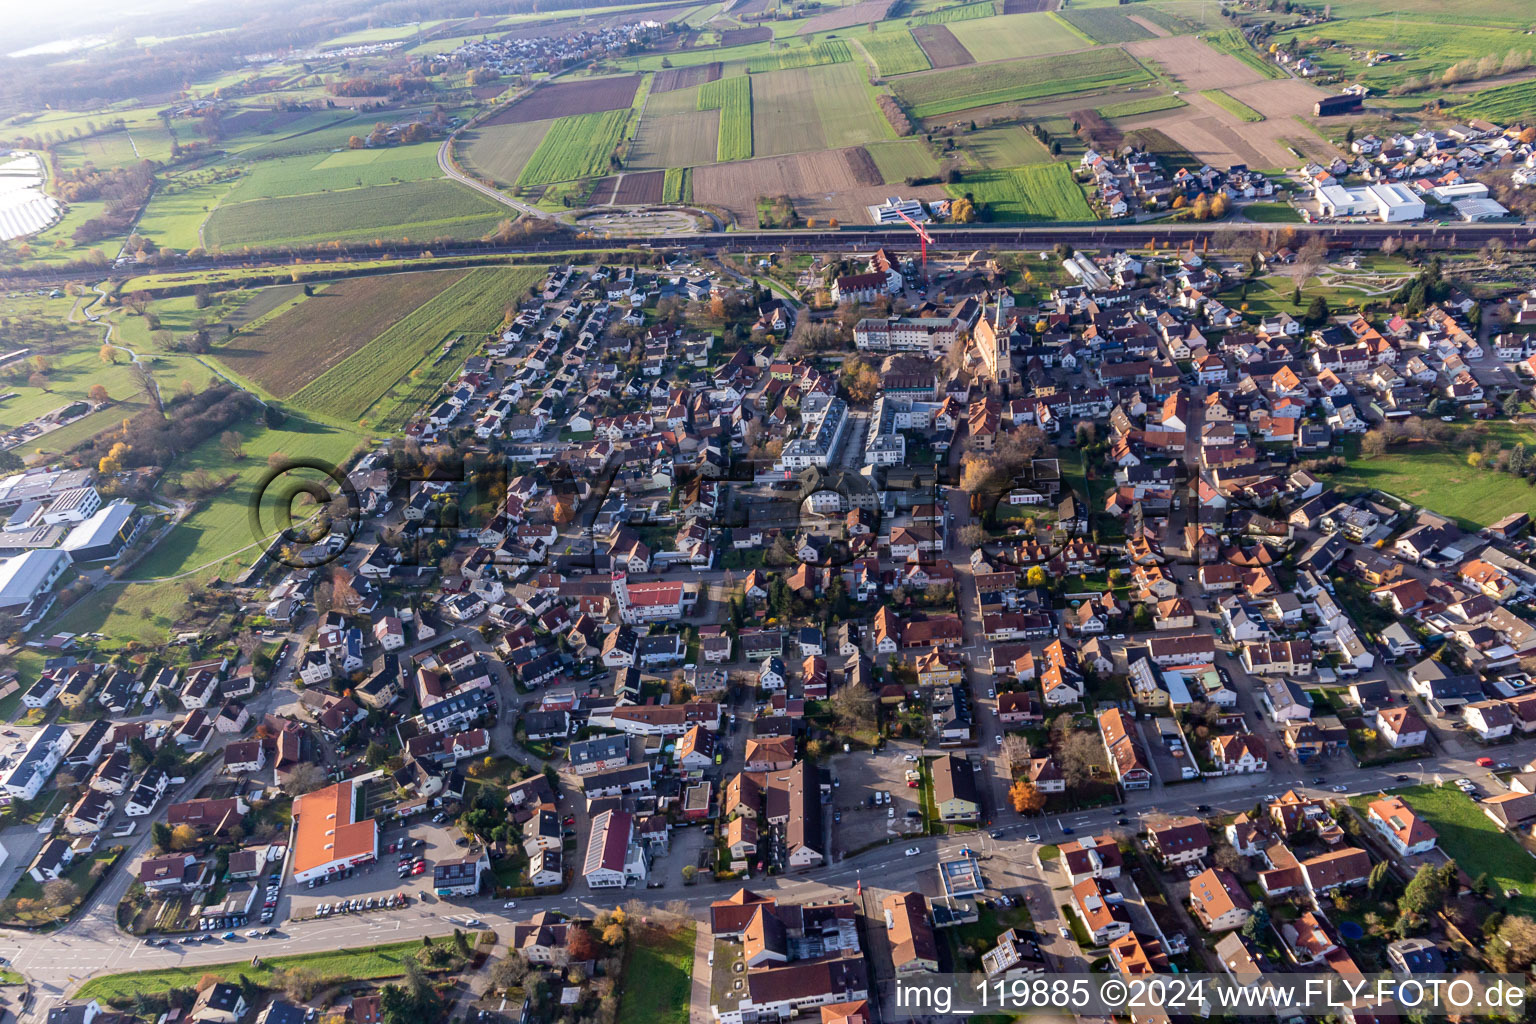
[
  {"x": 420, "y": 210},
  {"x": 936, "y": 93},
  {"x": 474, "y": 304},
  {"x": 285, "y": 353}
]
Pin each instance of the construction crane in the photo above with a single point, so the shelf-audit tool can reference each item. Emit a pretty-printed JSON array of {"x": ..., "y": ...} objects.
[{"x": 923, "y": 234}]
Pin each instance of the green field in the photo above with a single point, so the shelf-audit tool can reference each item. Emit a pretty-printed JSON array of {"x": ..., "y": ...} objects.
[
  {"x": 894, "y": 51},
  {"x": 1437, "y": 476},
  {"x": 677, "y": 185},
  {"x": 733, "y": 98},
  {"x": 176, "y": 212},
  {"x": 419, "y": 210},
  {"x": 799, "y": 55},
  {"x": 220, "y": 527},
  {"x": 657, "y": 979},
  {"x": 344, "y": 964},
  {"x": 1271, "y": 213},
  {"x": 1017, "y": 35},
  {"x": 1104, "y": 24},
  {"x": 1145, "y": 105},
  {"x": 1035, "y": 192},
  {"x": 962, "y": 12},
  {"x": 900, "y": 159},
  {"x": 1232, "y": 105},
  {"x": 1468, "y": 837},
  {"x": 1427, "y": 45},
  {"x": 945, "y": 92},
  {"x": 330, "y": 172},
  {"x": 1232, "y": 43},
  {"x": 1504, "y": 104},
  {"x": 995, "y": 149},
  {"x": 575, "y": 147},
  {"x": 472, "y": 305}
]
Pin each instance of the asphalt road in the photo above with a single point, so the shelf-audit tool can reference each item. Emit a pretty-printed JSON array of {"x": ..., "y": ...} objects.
[{"x": 92, "y": 945}]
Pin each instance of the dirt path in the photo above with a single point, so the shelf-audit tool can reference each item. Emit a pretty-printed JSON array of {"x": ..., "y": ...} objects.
[{"x": 1151, "y": 26}]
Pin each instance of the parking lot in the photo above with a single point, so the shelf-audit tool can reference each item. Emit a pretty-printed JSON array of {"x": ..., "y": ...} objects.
[
  {"x": 422, "y": 842},
  {"x": 856, "y": 822}
]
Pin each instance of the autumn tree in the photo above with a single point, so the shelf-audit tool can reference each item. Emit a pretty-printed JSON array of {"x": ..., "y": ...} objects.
[
  {"x": 1025, "y": 797},
  {"x": 108, "y": 354},
  {"x": 98, "y": 394},
  {"x": 1513, "y": 947},
  {"x": 183, "y": 837}
]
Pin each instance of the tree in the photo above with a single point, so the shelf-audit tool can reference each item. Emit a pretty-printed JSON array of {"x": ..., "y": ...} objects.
[
  {"x": 1257, "y": 923},
  {"x": 1081, "y": 756},
  {"x": 962, "y": 211},
  {"x": 1513, "y": 947},
  {"x": 60, "y": 894},
  {"x": 1230, "y": 860},
  {"x": 1036, "y": 576},
  {"x": 377, "y": 754},
  {"x": 183, "y": 837},
  {"x": 232, "y": 444},
  {"x": 1425, "y": 893},
  {"x": 108, "y": 354},
  {"x": 854, "y": 708},
  {"x": 98, "y": 394},
  {"x": 1317, "y": 311},
  {"x": 1380, "y": 876},
  {"x": 613, "y": 935},
  {"x": 689, "y": 874},
  {"x": 160, "y": 834},
  {"x": 973, "y": 535},
  {"x": 1026, "y": 799},
  {"x": 509, "y": 971},
  {"x": 304, "y": 778},
  {"x": 1373, "y": 443}
]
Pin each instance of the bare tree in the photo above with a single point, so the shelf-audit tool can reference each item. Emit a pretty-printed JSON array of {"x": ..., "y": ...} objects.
[
  {"x": 1082, "y": 756},
  {"x": 1016, "y": 752},
  {"x": 304, "y": 778},
  {"x": 854, "y": 707}
]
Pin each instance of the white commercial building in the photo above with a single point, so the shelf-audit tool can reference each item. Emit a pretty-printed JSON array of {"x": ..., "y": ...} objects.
[
  {"x": 1389, "y": 203},
  {"x": 26, "y": 579}
]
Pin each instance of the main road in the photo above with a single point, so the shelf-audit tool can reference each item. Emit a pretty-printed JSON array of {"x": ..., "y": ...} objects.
[{"x": 91, "y": 944}]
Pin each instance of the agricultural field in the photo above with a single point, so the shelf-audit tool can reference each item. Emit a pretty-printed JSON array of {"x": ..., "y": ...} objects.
[
  {"x": 421, "y": 210},
  {"x": 638, "y": 188},
  {"x": 1232, "y": 105},
  {"x": 472, "y": 305},
  {"x": 1428, "y": 45},
  {"x": 684, "y": 78},
  {"x": 732, "y": 97},
  {"x": 962, "y": 12},
  {"x": 330, "y": 172},
  {"x": 1503, "y": 104},
  {"x": 901, "y": 159},
  {"x": 575, "y": 147},
  {"x": 781, "y": 57},
  {"x": 567, "y": 99},
  {"x": 175, "y": 214},
  {"x": 937, "y": 93},
  {"x": 1146, "y": 105},
  {"x": 812, "y": 109},
  {"x": 940, "y": 47},
  {"x": 677, "y": 185},
  {"x": 1032, "y": 193},
  {"x": 1017, "y": 35},
  {"x": 1000, "y": 148},
  {"x": 1104, "y": 24},
  {"x": 894, "y": 51},
  {"x": 501, "y": 151},
  {"x": 287, "y": 352},
  {"x": 825, "y": 184}
]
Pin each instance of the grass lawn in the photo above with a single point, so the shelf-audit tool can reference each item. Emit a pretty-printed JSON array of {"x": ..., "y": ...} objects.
[
  {"x": 991, "y": 921},
  {"x": 343, "y": 964},
  {"x": 657, "y": 980},
  {"x": 1468, "y": 836},
  {"x": 1049, "y": 853},
  {"x": 1271, "y": 213},
  {"x": 1437, "y": 477}
]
